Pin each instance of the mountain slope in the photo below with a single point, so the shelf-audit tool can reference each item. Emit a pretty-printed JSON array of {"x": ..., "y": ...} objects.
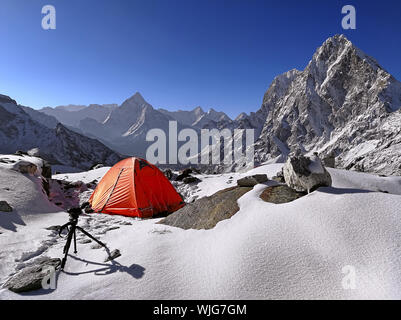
[
  {"x": 59, "y": 145},
  {"x": 344, "y": 103}
]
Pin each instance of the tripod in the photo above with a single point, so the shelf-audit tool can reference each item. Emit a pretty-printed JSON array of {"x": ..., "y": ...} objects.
[{"x": 72, "y": 227}]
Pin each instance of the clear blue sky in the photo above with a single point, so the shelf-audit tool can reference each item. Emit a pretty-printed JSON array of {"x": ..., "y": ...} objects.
[{"x": 177, "y": 53}]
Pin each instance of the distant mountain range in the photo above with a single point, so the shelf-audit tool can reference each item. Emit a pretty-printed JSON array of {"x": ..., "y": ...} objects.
[
  {"x": 22, "y": 128},
  {"x": 343, "y": 104}
]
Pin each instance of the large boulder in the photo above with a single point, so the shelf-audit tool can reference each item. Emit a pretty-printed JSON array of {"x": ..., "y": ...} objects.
[
  {"x": 206, "y": 212},
  {"x": 30, "y": 278},
  {"x": 252, "y": 181},
  {"x": 306, "y": 174}
]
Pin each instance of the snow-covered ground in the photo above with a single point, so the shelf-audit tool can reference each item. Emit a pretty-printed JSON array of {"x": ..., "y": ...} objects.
[{"x": 265, "y": 251}]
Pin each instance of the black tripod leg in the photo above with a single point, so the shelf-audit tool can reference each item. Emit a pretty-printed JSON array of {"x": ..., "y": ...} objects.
[
  {"x": 92, "y": 237},
  {"x": 75, "y": 241},
  {"x": 67, "y": 246}
]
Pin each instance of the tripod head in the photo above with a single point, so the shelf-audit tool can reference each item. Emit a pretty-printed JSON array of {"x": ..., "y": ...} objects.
[{"x": 74, "y": 214}]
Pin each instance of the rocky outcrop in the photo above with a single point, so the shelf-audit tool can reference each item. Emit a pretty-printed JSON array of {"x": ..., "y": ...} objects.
[
  {"x": 305, "y": 174},
  {"x": 206, "y": 212}
]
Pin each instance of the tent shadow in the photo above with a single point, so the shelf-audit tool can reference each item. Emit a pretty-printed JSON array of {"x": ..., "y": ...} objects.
[
  {"x": 10, "y": 220},
  {"x": 134, "y": 270},
  {"x": 339, "y": 191}
]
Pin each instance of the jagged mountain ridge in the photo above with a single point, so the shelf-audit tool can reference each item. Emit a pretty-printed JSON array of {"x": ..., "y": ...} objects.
[{"x": 58, "y": 145}]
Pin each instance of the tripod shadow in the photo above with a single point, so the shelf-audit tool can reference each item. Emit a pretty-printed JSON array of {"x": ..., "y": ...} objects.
[{"x": 134, "y": 270}]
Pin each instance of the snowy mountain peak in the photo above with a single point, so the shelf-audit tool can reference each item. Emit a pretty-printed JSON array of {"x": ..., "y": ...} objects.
[{"x": 339, "y": 104}]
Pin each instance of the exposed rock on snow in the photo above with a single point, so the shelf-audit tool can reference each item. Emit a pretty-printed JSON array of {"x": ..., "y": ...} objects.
[
  {"x": 190, "y": 179},
  {"x": 183, "y": 174},
  {"x": 252, "y": 181},
  {"x": 5, "y": 207},
  {"x": 206, "y": 212},
  {"x": 30, "y": 278},
  {"x": 280, "y": 194},
  {"x": 306, "y": 174}
]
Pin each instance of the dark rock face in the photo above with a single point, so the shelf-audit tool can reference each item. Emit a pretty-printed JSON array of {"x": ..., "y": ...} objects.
[
  {"x": 5, "y": 207},
  {"x": 30, "y": 278},
  {"x": 183, "y": 174},
  {"x": 190, "y": 179},
  {"x": 280, "y": 194},
  {"x": 252, "y": 181},
  {"x": 206, "y": 212}
]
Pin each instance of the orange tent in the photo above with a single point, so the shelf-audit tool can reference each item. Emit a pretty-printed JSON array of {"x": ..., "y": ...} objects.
[{"x": 133, "y": 187}]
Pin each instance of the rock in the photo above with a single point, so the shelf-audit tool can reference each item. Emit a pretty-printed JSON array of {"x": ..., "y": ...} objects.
[
  {"x": 53, "y": 228},
  {"x": 30, "y": 278},
  {"x": 114, "y": 254},
  {"x": 206, "y": 212},
  {"x": 280, "y": 194},
  {"x": 190, "y": 179},
  {"x": 97, "y": 166},
  {"x": 27, "y": 168},
  {"x": 196, "y": 170},
  {"x": 46, "y": 170},
  {"x": 85, "y": 241},
  {"x": 183, "y": 174},
  {"x": 20, "y": 153},
  {"x": 5, "y": 207},
  {"x": 96, "y": 246},
  {"x": 330, "y": 161},
  {"x": 306, "y": 174},
  {"x": 279, "y": 177},
  {"x": 252, "y": 181},
  {"x": 168, "y": 173}
]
